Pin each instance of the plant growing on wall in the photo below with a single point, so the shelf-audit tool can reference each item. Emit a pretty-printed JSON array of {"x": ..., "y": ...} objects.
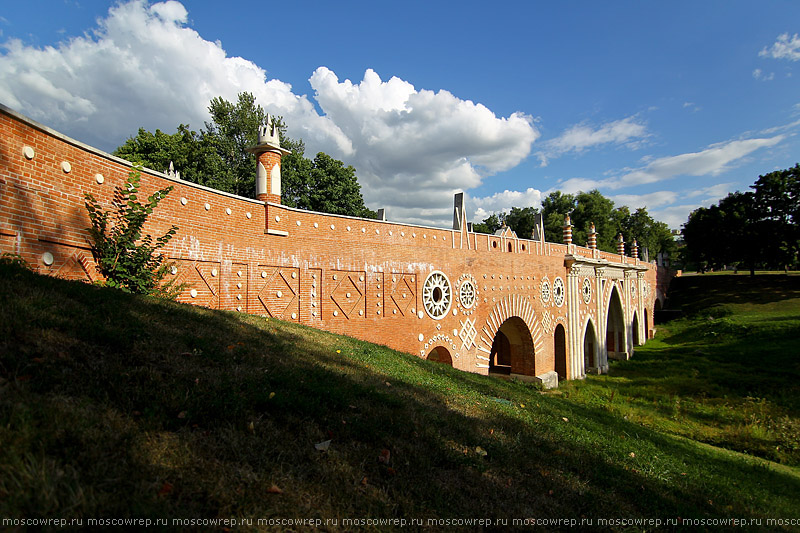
[{"x": 129, "y": 261}]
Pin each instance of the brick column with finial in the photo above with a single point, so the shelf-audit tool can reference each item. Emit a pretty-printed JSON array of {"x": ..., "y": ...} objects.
[
  {"x": 592, "y": 237},
  {"x": 635, "y": 250},
  {"x": 268, "y": 151},
  {"x": 620, "y": 245},
  {"x": 567, "y": 231}
]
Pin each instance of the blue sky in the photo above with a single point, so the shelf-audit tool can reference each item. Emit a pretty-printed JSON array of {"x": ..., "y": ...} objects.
[{"x": 668, "y": 105}]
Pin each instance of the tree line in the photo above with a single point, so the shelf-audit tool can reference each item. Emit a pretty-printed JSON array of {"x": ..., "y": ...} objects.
[
  {"x": 585, "y": 209},
  {"x": 758, "y": 229},
  {"x": 216, "y": 157}
]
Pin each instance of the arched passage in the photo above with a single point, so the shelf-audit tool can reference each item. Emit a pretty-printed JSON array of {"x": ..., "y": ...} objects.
[
  {"x": 560, "y": 351},
  {"x": 590, "y": 348},
  {"x": 636, "y": 329},
  {"x": 512, "y": 349},
  {"x": 646, "y": 324},
  {"x": 440, "y": 354},
  {"x": 615, "y": 328}
]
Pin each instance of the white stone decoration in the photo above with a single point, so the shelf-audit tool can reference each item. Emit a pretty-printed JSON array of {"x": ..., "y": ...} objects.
[
  {"x": 437, "y": 295},
  {"x": 558, "y": 292},
  {"x": 207, "y": 206},
  {"x": 214, "y": 272},
  {"x": 455, "y": 333},
  {"x": 47, "y": 258},
  {"x": 467, "y": 334},
  {"x": 228, "y": 211},
  {"x": 633, "y": 290},
  {"x": 263, "y": 274},
  {"x": 377, "y": 232},
  {"x": 66, "y": 167},
  {"x": 545, "y": 288},
  {"x": 174, "y": 270},
  {"x": 316, "y": 224},
  {"x": 277, "y": 218},
  {"x": 297, "y": 222},
  {"x": 249, "y": 214},
  {"x": 193, "y": 293},
  {"x": 467, "y": 293},
  {"x": 294, "y": 316},
  {"x": 419, "y": 314},
  {"x": 421, "y": 337},
  {"x": 294, "y": 275},
  {"x": 360, "y": 312},
  {"x": 28, "y": 152},
  {"x": 239, "y": 296},
  {"x": 333, "y": 227},
  {"x": 239, "y": 308},
  {"x": 99, "y": 178},
  {"x": 336, "y": 313},
  {"x": 239, "y": 273},
  {"x": 348, "y": 228},
  {"x": 586, "y": 290},
  {"x": 184, "y": 200},
  {"x": 279, "y": 294}
]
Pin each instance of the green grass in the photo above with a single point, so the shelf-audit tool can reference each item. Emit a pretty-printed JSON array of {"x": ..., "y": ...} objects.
[
  {"x": 120, "y": 406},
  {"x": 727, "y": 374}
]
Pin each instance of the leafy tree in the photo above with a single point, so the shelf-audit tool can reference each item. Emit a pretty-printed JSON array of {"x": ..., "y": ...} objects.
[
  {"x": 490, "y": 224},
  {"x": 129, "y": 261},
  {"x": 555, "y": 207},
  {"x": 649, "y": 234},
  {"x": 593, "y": 207},
  {"x": 522, "y": 221},
  {"x": 216, "y": 157}
]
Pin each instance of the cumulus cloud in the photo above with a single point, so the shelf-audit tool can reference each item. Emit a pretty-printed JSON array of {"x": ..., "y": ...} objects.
[
  {"x": 143, "y": 66},
  {"x": 786, "y": 47},
  {"x": 420, "y": 145},
  {"x": 628, "y": 132},
  {"x": 649, "y": 200},
  {"x": 482, "y": 207}
]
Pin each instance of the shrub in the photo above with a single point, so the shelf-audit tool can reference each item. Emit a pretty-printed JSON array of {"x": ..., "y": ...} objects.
[{"x": 127, "y": 260}]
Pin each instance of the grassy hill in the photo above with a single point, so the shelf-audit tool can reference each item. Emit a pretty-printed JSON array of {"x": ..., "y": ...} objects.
[{"x": 119, "y": 406}]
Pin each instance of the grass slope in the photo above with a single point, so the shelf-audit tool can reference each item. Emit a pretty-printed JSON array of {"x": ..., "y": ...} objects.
[{"x": 119, "y": 406}]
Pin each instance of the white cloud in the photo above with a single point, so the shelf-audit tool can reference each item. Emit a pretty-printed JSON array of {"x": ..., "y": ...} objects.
[
  {"x": 785, "y": 47},
  {"x": 625, "y": 132},
  {"x": 712, "y": 161},
  {"x": 144, "y": 67},
  {"x": 503, "y": 201},
  {"x": 418, "y": 147},
  {"x": 759, "y": 75},
  {"x": 649, "y": 200}
]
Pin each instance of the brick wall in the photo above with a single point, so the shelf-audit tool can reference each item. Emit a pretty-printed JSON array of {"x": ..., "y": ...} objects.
[{"x": 347, "y": 275}]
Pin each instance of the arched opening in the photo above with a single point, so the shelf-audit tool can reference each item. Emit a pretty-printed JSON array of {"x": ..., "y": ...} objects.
[
  {"x": 510, "y": 247},
  {"x": 636, "y": 329},
  {"x": 615, "y": 328},
  {"x": 440, "y": 354},
  {"x": 512, "y": 349},
  {"x": 560, "y": 351},
  {"x": 646, "y": 325},
  {"x": 657, "y": 306},
  {"x": 590, "y": 348}
]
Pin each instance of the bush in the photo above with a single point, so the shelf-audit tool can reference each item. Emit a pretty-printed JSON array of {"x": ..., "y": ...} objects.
[{"x": 127, "y": 260}]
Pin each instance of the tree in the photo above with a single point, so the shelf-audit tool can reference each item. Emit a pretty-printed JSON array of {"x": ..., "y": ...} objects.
[
  {"x": 490, "y": 224},
  {"x": 216, "y": 157},
  {"x": 522, "y": 221},
  {"x": 555, "y": 207},
  {"x": 593, "y": 207},
  {"x": 128, "y": 260}
]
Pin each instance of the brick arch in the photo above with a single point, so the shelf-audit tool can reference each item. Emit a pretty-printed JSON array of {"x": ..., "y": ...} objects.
[{"x": 514, "y": 314}]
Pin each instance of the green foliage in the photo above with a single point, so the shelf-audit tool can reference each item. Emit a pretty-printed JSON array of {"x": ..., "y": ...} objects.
[
  {"x": 490, "y": 224},
  {"x": 584, "y": 209},
  {"x": 129, "y": 261},
  {"x": 758, "y": 229},
  {"x": 216, "y": 157},
  {"x": 14, "y": 260}
]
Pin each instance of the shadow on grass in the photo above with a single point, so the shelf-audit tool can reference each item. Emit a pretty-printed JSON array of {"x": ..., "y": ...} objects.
[{"x": 121, "y": 406}]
